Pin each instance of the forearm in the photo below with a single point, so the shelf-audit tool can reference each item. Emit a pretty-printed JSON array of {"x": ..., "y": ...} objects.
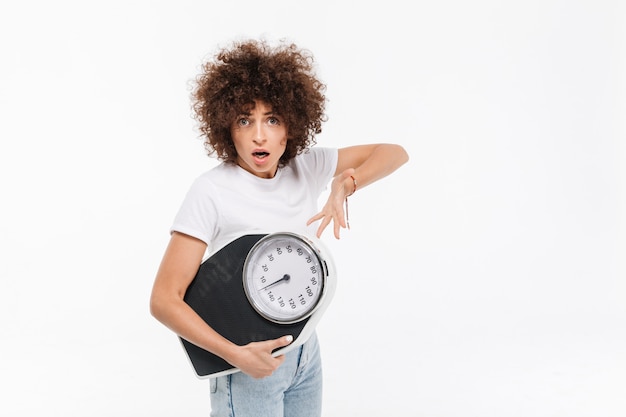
[
  {"x": 370, "y": 163},
  {"x": 179, "y": 317}
]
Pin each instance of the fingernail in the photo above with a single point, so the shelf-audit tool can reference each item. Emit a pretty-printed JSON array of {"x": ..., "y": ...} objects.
[{"x": 289, "y": 339}]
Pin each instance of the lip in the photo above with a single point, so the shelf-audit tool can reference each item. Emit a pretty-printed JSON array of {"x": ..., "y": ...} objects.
[{"x": 260, "y": 159}]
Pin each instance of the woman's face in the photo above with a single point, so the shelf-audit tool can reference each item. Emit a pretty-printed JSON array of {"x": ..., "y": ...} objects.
[{"x": 260, "y": 138}]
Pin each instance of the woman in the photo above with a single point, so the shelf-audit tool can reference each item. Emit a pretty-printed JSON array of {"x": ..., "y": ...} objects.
[{"x": 259, "y": 108}]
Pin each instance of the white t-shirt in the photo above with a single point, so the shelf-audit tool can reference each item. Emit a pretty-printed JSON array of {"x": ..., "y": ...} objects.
[{"x": 227, "y": 201}]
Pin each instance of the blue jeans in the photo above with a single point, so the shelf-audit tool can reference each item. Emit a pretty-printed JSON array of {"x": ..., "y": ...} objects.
[{"x": 293, "y": 390}]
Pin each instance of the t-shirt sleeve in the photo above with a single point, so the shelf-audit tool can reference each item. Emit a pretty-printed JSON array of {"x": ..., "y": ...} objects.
[
  {"x": 197, "y": 216},
  {"x": 321, "y": 163}
]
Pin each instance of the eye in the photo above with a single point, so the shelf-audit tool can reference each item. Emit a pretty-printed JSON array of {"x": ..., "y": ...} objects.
[
  {"x": 273, "y": 120},
  {"x": 242, "y": 121}
]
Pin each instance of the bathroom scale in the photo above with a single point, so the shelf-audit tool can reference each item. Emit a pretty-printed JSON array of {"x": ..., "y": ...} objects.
[{"x": 260, "y": 287}]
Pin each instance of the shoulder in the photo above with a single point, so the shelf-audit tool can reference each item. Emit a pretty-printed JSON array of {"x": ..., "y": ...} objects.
[
  {"x": 317, "y": 156},
  {"x": 316, "y": 166},
  {"x": 207, "y": 186}
]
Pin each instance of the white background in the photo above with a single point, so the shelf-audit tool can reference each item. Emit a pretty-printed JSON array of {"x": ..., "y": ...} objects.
[{"x": 484, "y": 279}]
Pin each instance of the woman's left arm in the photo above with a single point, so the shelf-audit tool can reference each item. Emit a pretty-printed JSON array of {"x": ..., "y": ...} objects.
[{"x": 357, "y": 167}]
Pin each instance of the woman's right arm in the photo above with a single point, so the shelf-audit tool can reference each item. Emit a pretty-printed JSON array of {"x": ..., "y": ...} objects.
[{"x": 178, "y": 268}]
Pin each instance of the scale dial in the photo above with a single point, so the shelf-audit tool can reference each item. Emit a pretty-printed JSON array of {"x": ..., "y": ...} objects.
[{"x": 284, "y": 276}]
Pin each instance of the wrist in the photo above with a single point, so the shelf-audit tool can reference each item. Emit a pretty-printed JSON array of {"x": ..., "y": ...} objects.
[
  {"x": 228, "y": 351},
  {"x": 350, "y": 185},
  {"x": 351, "y": 190}
]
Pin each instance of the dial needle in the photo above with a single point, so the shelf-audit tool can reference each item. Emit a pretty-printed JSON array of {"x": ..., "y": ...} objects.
[{"x": 286, "y": 277}]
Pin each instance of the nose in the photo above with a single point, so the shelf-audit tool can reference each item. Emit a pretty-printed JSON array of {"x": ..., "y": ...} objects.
[{"x": 259, "y": 134}]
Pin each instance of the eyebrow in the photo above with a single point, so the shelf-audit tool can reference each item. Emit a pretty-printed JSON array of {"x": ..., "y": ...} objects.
[{"x": 248, "y": 113}]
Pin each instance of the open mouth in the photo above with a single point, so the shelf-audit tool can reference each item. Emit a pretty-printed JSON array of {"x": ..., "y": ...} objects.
[{"x": 260, "y": 154}]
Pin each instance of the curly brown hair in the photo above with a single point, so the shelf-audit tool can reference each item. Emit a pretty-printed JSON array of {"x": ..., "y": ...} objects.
[{"x": 281, "y": 76}]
